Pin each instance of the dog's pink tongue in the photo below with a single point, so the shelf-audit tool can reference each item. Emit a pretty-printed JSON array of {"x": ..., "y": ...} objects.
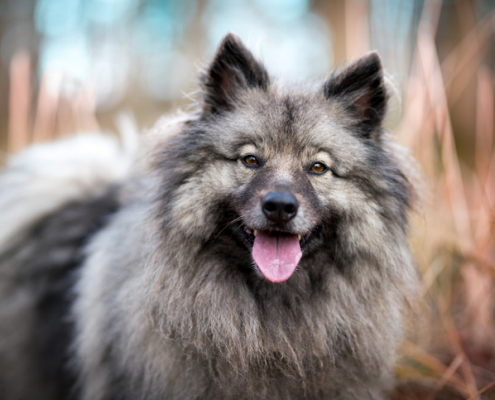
[{"x": 276, "y": 256}]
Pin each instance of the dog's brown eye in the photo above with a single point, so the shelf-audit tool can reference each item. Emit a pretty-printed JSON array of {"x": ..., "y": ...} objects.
[
  {"x": 251, "y": 161},
  {"x": 319, "y": 168}
]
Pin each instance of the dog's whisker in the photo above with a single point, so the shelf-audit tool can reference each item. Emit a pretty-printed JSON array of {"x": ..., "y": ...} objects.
[{"x": 228, "y": 225}]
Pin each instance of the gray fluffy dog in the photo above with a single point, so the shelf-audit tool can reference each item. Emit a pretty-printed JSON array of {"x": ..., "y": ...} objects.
[{"x": 256, "y": 248}]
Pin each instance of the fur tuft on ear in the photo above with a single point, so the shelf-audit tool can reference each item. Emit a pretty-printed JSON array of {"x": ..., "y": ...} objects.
[
  {"x": 233, "y": 69},
  {"x": 360, "y": 86}
]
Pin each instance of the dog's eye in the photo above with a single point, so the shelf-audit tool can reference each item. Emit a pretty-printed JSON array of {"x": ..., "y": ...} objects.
[
  {"x": 250, "y": 161},
  {"x": 318, "y": 168}
]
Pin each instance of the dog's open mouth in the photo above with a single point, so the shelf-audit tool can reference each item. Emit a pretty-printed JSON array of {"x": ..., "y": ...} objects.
[{"x": 276, "y": 253}]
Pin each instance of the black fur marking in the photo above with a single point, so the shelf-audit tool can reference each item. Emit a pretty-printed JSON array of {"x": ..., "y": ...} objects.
[
  {"x": 233, "y": 68},
  {"x": 290, "y": 111},
  {"x": 51, "y": 273},
  {"x": 360, "y": 86}
]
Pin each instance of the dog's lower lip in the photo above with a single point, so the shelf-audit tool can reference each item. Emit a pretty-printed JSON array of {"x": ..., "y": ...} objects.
[{"x": 251, "y": 235}]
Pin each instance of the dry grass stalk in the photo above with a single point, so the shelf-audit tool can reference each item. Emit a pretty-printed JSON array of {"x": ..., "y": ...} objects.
[{"x": 63, "y": 106}]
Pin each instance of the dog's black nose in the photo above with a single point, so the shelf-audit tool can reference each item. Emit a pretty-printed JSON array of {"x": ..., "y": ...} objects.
[{"x": 279, "y": 206}]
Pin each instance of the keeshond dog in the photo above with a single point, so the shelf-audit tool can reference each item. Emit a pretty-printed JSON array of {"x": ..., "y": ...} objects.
[{"x": 255, "y": 248}]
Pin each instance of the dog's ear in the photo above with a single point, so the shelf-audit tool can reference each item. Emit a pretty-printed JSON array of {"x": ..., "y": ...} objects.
[
  {"x": 233, "y": 69},
  {"x": 360, "y": 86}
]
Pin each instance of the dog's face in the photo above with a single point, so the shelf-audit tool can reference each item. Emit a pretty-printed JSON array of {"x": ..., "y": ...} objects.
[{"x": 289, "y": 161}]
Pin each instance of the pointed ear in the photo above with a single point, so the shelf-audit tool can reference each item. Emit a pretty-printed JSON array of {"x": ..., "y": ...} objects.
[
  {"x": 232, "y": 70},
  {"x": 361, "y": 88}
]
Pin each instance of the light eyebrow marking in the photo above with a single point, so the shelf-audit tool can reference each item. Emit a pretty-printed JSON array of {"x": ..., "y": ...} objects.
[
  {"x": 321, "y": 155},
  {"x": 247, "y": 148}
]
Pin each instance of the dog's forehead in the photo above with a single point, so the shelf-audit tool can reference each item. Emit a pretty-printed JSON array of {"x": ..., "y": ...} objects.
[{"x": 281, "y": 122}]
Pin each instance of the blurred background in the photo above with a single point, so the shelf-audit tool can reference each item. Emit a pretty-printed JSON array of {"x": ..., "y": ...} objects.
[{"x": 73, "y": 65}]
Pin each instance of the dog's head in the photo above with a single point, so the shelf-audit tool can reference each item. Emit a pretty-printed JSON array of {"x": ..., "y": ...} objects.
[{"x": 286, "y": 162}]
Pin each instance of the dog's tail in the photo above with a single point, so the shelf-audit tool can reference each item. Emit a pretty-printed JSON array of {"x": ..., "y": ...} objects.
[{"x": 44, "y": 177}]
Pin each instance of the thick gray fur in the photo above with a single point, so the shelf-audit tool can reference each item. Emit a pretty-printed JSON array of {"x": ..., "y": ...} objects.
[{"x": 162, "y": 297}]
